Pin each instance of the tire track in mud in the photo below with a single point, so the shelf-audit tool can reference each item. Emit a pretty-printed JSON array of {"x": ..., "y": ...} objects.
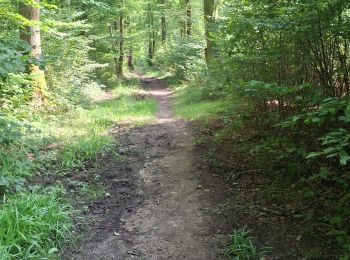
[{"x": 159, "y": 196}]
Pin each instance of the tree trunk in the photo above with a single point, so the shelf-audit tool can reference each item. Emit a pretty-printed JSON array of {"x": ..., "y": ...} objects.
[
  {"x": 209, "y": 18},
  {"x": 114, "y": 48},
  {"x": 120, "y": 63},
  {"x": 189, "y": 17},
  {"x": 151, "y": 35},
  {"x": 163, "y": 23},
  {"x": 131, "y": 58},
  {"x": 150, "y": 53},
  {"x": 153, "y": 38},
  {"x": 183, "y": 29},
  {"x": 31, "y": 35}
]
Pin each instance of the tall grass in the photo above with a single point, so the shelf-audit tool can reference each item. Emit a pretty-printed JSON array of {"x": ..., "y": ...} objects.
[
  {"x": 33, "y": 224},
  {"x": 83, "y": 150}
]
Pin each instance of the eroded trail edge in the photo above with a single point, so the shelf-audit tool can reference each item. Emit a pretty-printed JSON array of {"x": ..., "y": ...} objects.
[{"x": 159, "y": 195}]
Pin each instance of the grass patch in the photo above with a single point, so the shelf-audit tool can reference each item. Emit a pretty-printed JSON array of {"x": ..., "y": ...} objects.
[
  {"x": 152, "y": 73},
  {"x": 33, "y": 225},
  {"x": 83, "y": 150},
  {"x": 241, "y": 247}
]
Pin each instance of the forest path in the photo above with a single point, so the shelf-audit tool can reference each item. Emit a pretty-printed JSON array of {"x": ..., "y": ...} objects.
[{"x": 160, "y": 199}]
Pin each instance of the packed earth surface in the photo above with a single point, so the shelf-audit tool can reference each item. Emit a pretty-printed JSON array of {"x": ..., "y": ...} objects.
[{"x": 158, "y": 195}]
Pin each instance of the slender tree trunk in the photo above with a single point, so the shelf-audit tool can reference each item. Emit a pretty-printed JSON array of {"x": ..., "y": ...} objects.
[
  {"x": 183, "y": 22},
  {"x": 114, "y": 45},
  {"x": 150, "y": 53},
  {"x": 120, "y": 63},
  {"x": 209, "y": 18},
  {"x": 189, "y": 17},
  {"x": 31, "y": 35},
  {"x": 131, "y": 58},
  {"x": 114, "y": 48},
  {"x": 183, "y": 29},
  {"x": 163, "y": 23},
  {"x": 164, "y": 32},
  {"x": 153, "y": 38},
  {"x": 151, "y": 35}
]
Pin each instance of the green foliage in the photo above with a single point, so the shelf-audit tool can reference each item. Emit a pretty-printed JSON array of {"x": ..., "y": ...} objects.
[
  {"x": 183, "y": 57},
  {"x": 11, "y": 59},
  {"x": 16, "y": 94},
  {"x": 84, "y": 150},
  {"x": 192, "y": 105}
]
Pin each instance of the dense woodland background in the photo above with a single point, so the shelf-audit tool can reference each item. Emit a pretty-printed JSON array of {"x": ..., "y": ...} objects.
[{"x": 272, "y": 75}]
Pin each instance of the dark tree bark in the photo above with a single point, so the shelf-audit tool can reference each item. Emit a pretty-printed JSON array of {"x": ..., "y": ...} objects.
[
  {"x": 120, "y": 63},
  {"x": 31, "y": 35},
  {"x": 131, "y": 58},
  {"x": 189, "y": 17},
  {"x": 163, "y": 23},
  {"x": 183, "y": 17},
  {"x": 151, "y": 35}
]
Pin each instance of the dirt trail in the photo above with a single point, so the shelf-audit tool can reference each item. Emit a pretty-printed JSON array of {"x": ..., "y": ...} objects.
[{"x": 159, "y": 197}]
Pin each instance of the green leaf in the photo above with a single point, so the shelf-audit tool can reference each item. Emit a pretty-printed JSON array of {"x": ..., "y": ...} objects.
[
  {"x": 344, "y": 157},
  {"x": 313, "y": 155},
  {"x": 53, "y": 251},
  {"x": 315, "y": 119},
  {"x": 329, "y": 150}
]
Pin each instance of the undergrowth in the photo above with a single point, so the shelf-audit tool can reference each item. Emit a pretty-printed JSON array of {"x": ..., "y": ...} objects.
[
  {"x": 34, "y": 222},
  {"x": 191, "y": 103},
  {"x": 245, "y": 141}
]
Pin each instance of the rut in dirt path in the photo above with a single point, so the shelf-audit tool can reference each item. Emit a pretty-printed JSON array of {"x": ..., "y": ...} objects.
[{"x": 162, "y": 210}]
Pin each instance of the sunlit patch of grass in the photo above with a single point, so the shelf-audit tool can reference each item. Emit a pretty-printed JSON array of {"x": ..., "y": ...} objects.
[
  {"x": 33, "y": 225},
  {"x": 84, "y": 132},
  {"x": 191, "y": 105},
  {"x": 124, "y": 109},
  {"x": 79, "y": 135},
  {"x": 84, "y": 149},
  {"x": 152, "y": 73}
]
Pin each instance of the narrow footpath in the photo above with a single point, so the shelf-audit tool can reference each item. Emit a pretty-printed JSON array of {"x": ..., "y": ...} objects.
[{"x": 161, "y": 200}]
